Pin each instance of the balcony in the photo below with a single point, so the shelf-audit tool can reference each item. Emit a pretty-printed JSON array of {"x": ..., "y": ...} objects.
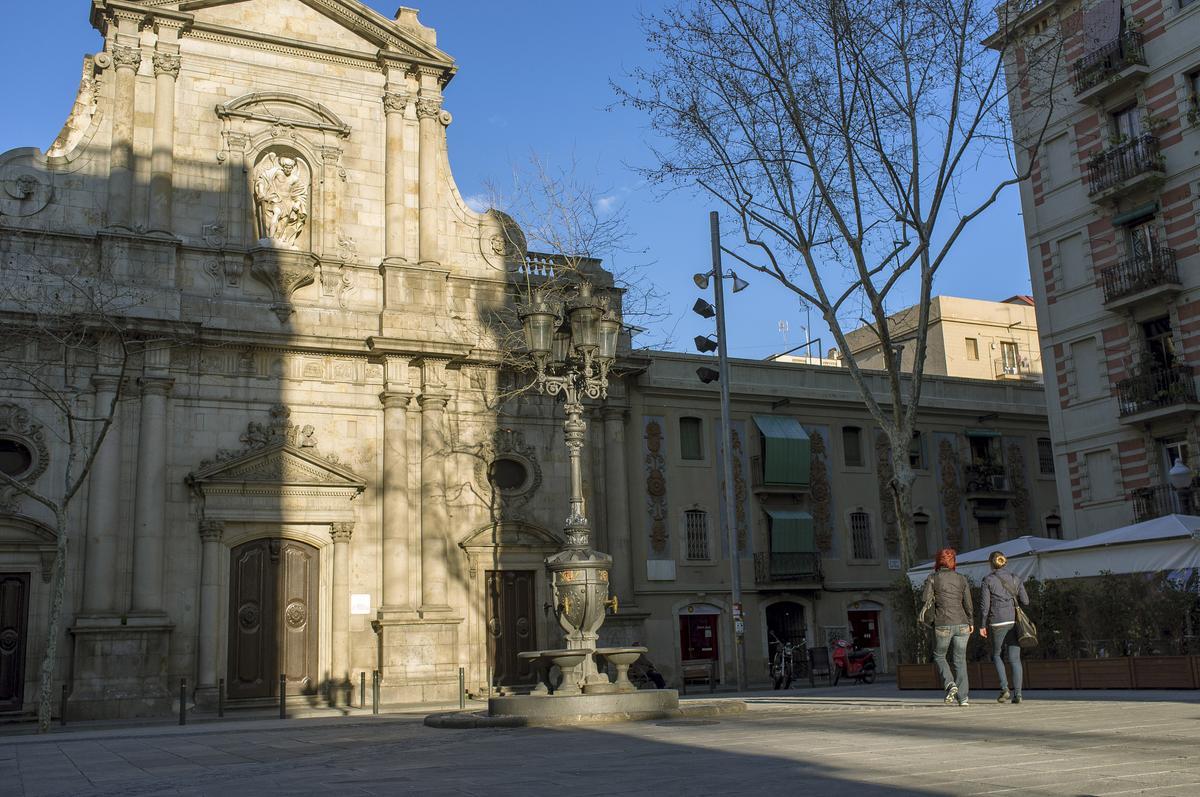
[
  {"x": 762, "y": 484},
  {"x": 1020, "y": 370},
  {"x": 1157, "y": 393},
  {"x": 1124, "y": 168},
  {"x": 1154, "y": 502},
  {"x": 1136, "y": 279},
  {"x": 787, "y": 568},
  {"x": 1113, "y": 67}
]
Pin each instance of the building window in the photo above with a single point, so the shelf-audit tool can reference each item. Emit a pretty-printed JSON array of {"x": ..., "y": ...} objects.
[
  {"x": 1141, "y": 239},
  {"x": 972, "y": 349},
  {"x": 1071, "y": 263},
  {"x": 861, "y": 544},
  {"x": 16, "y": 458},
  {"x": 924, "y": 539},
  {"x": 695, "y": 526},
  {"x": 1054, "y": 527},
  {"x": 507, "y": 474},
  {"x": 1085, "y": 363},
  {"x": 1045, "y": 451},
  {"x": 1056, "y": 161},
  {"x": 1102, "y": 478},
  {"x": 1160, "y": 343},
  {"x": 1127, "y": 124},
  {"x": 989, "y": 532},
  {"x": 1193, "y": 82},
  {"x": 852, "y": 455},
  {"x": 916, "y": 452},
  {"x": 691, "y": 443}
]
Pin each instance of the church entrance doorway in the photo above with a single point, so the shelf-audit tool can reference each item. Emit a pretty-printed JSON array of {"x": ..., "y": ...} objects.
[
  {"x": 14, "y": 622},
  {"x": 512, "y": 623},
  {"x": 273, "y": 610}
]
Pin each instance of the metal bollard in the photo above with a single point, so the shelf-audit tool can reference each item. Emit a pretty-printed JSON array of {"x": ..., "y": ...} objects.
[
  {"x": 462, "y": 688},
  {"x": 183, "y": 701},
  {"x": 282, "y": 696},
  {"x": 712, "y": 676},
  {"x": 221, "y": 697},
  {"x": 62, "y": 707},
  {"x": 362, "y": 689},
  {"x": 375, "y": 691}
]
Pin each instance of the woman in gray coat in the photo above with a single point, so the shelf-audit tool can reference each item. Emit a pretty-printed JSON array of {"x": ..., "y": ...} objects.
[
  {"x": 952, "y": 623},
  {"x": 999, "y": 594}
]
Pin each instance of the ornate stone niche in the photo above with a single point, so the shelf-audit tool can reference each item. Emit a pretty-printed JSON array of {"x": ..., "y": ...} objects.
[{"x": 24, "y": 455}]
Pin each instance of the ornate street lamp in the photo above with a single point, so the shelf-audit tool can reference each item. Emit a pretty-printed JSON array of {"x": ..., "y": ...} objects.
[
  {"x": 573, "y": 344},
  {"x": 1180, "y": 478}
]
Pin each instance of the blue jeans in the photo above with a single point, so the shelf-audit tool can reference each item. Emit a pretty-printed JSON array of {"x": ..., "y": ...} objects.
[
  {"x": 953, "y": 637},
  {"x": 1006, "y": 637}
]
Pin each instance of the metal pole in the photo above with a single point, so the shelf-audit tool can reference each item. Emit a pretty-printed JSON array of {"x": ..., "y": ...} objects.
[
  {"x": 282, "y": 696},
  {"x": 462, "y": 688},
  {"x": 183, "y": 701},
  {"x": 221, "y": 697},
  {"x": 362, "y": 689},
  {"x": 62, "y": 707},
  {"x": 375, "y": 691},
  {"x": 730, "y": 513}
]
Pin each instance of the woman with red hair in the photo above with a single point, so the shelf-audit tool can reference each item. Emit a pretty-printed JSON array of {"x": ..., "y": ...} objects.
[{"x": 952, "y": 623}]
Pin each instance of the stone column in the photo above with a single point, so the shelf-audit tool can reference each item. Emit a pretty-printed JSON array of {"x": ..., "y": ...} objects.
[
  {"x": 434, "y": 516},
  {"x": 100, "y": 582},
  {"x": 340, "y": 658},
  {"x": 616, "y": 496},
  {"x": 429, "y": 109},
  {"x": 150, "y": 502},
  {"x": 397, "y": 593},
  {"x": 120, "y": 170},
  {"x": 210, "y": 602},
  {"x": 162, "y": 159},
  {"x": 394, "y": 105}
]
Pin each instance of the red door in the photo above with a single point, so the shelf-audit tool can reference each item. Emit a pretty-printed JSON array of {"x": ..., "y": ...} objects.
[
  {"x": 698, "y": 636},
  {"x": 864, "y": 627}
]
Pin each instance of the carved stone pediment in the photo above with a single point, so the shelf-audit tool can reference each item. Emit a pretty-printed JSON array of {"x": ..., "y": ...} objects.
[
  {"x": 512, "y": 535},
  {"x": 279, "y": 465},
  {"x": 20, "y": 534}
]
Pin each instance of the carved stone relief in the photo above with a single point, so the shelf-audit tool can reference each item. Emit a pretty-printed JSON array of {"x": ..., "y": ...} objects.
[
  {"x": 655, "y": 465},
  {"x": 1020, "y": 499},
  {"x": 887, "y": 504},
  {"x": 281, "y": 198},
  {"x": 950, "y": 491},
  {"x": 819, "y": 489},
  {"x": 508, "y": 444},
  {"x": 18, "y": 426},
  {"x": 278, "y": 430}
]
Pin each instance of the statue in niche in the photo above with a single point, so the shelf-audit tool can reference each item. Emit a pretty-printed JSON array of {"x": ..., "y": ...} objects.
[{"x": 281, "y": 195}]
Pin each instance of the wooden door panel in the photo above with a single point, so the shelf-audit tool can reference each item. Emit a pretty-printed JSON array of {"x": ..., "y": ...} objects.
[
  {"x": 512, "y": 624},
  {"x": 298, "y": 622},
  {"x": 251, "y": 621},
  {"x": 14, "y": 620}
]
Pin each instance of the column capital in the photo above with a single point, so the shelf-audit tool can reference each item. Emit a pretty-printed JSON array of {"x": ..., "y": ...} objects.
[
  {"x": 341, "y": 531},
  {"x": 211, "y": 529},
  {"x": 126, "y": 57},
  {"x": 166, "y": 64},
  {"x": 395, "y": 400},
  {"x": 433, "y": 401},
  {"x": 156, "y": 385},
  {"x": 105, "y": 382},
  {"x": 395, "y": 101},
  {"x": 614, "y": 413},
  {"x": 429, "y": 107}
]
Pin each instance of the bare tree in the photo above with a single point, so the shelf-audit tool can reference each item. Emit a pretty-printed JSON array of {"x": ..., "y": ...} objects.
[
  {"x": 63, "y": 319},
  {"x": 843, "y": 137}
]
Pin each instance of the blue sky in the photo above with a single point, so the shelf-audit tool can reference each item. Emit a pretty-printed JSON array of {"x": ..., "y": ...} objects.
[{"x": 534, "y": 77}]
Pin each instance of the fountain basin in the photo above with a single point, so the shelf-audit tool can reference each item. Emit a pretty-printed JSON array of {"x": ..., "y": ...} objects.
[
  {"x": 559, "y": 709},
  {"x": 622, "y": 658}
]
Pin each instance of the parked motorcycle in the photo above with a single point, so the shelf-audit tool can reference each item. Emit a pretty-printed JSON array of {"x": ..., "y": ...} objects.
[
  {"x": 784, "y": 667},
  {"x": 849, "y": 662}
]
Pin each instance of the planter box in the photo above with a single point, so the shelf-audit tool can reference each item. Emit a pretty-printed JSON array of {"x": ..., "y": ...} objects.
[
  {"x": 1164, "y": 672},
  {"x": 986, "y": 676},
  {"x": 1049, "y": 673},
  {"x": 1104, "y": 673},
  {"x": 917, "y": 676}
]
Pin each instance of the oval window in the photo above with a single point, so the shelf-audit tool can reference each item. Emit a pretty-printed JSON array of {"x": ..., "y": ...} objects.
[
  {"x": 15, "y": 457},
  {"x": 508, "y": 474}
]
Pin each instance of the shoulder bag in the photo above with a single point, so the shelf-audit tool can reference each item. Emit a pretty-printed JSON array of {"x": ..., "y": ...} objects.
[
  {"x": 1026, "y": 630},
  {"x": 925, "y": 616}
]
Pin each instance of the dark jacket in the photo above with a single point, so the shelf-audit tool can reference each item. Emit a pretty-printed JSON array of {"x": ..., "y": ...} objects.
[
  {"x": 951, "y": 598},
  {"x": 996, "y": 602}
]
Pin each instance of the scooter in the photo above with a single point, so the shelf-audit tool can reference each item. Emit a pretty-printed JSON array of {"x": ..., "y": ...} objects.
[{"x": 851, "y": 663}]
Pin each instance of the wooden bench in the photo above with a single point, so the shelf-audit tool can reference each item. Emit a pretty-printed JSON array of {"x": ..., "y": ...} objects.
[{"x": 698, "y": 670}]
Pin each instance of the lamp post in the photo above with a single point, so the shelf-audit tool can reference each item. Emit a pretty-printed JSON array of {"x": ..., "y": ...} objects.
[
  {"x": 573, "y": 344},
  {"x": 706, "y": 375},
  {"x": 1180, "y": 478}
]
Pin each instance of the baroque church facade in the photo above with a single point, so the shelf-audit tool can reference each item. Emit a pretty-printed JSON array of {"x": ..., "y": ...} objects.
[{"x": 315, "y": 466}]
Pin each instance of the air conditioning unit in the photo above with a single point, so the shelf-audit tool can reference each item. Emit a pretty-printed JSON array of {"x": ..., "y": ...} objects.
[{"x": 998, "y": 483}]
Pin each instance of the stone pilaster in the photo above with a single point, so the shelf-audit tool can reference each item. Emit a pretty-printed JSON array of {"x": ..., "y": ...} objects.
[
  {"x": 434, "y": 516},
  {"x": 395, "y": 103},
  {"x": 429, "y": 116},
  {"x": 616, "y": 496},
  {"x": 150, "y": 502},
  {"x": 126, "y": 60},
  {"x": 340, "y": 655},
  {"x": 162, "y": 159},
  {"x": 210, "y": 602},
  {"x": 397, "y": 547},
  {"x": 100, "y": 573}
]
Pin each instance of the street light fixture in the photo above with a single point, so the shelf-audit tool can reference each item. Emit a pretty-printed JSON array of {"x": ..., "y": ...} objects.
[
  {"x": 703, "y": 309},
  {"x": 705, "y": 344},
  {"x": 1180, "y": 478},
  {"x": 707, "y": 375}
]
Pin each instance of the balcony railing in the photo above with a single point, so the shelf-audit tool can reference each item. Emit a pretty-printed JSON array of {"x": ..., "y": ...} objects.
[
  {"x": 778, "y": 566},
  {"x": 985, "y": 478},
  {"x": 1140, "y": 273},
  {"x": 1154, "y": 502},
  {"x": 1096, "y": 67},
  {"x": 1115, "y": 165},
  {"x": 1155, "y": 389},
  {"x": 1021, "y": 369}
]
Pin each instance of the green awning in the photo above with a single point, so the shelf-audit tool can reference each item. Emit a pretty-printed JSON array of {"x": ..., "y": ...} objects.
[
  {"x": 791, "y": 531},
  {"x": 786, "y": 454},
  {"x": 982, "y": 433},
  {"x": 1136, "y": 214}
]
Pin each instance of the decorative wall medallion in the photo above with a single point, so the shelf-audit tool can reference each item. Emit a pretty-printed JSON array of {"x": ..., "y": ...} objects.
[
  {"x": 296, "y": 614},
  {"x": 248, "y": 617},
  {"x": 8, "y": 640},
  {"x": 23, "y": 191},
  {"x": 655, "y": 467},
  {"x": 507, "y": 470},
  {"x": 950, "y": 493},
  {"x": 24, "y": 455}
]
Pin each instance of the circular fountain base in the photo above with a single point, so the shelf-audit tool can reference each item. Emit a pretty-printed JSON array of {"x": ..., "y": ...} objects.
[{"x": 518, "y": 711}]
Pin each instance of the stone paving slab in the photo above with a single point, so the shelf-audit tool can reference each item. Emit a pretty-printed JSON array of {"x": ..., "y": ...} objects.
[{"x": 859, "y": 741}]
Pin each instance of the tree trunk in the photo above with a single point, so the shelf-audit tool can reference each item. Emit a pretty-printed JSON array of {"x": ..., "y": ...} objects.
[
  {"x": 46, "y": 676},
  {"x": 901, "y": 488}
]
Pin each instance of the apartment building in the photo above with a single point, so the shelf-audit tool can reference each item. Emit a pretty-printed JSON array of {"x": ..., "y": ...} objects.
[{"x": 1110, "y": 217}]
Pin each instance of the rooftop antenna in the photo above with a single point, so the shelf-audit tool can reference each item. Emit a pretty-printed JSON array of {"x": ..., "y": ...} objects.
[{"x": 783, "y": 330}]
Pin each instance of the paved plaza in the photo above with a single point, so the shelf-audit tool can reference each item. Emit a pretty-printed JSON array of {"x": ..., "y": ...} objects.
[{"x": 852, "y": 740}]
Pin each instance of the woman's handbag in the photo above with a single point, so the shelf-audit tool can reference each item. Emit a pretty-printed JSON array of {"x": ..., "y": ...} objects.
[
  {"x": 1025, "y": 628},
  {"x": 925, "y": 616}
]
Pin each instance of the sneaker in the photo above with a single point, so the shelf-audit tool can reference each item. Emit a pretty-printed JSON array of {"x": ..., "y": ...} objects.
[
  {"x": 964, "y": 702},
  {"x": 1016, "y": 699},
  {"x": 951, "y": 693},
  {"x": 1004, "y": 697}
]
